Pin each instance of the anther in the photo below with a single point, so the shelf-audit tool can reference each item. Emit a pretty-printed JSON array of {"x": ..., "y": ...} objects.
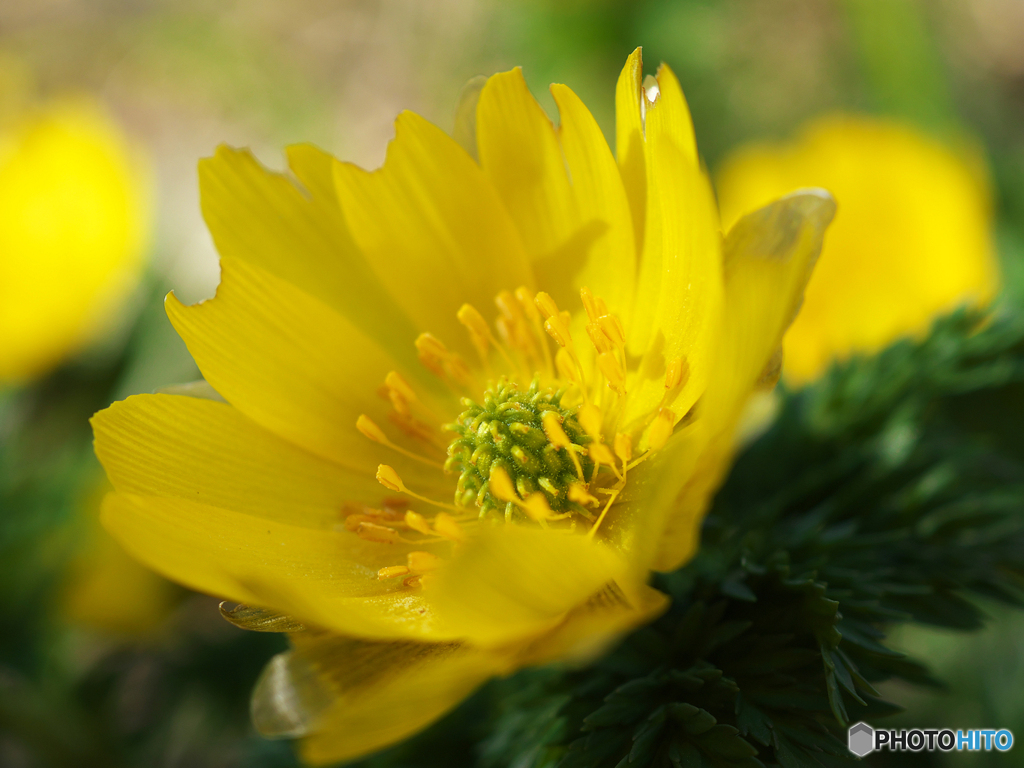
[
  {"x": 612, "y": 328},
  {"x": 391, "y": 571},
  {"x": 446, "y": 526},
  {"x": 380, "y": 534},
  {"x": 389, "y": 478},
  {"x": 677, "y": 373},
  {"x": 661, "y": 429},
  {"x": 599, "y": 338},
  {"x": 601, "y": 453},
  {"x": 479, "y": 333},
  {"x": 422, "y": 562},
  {"x": 590, "y": 418},
  {"x": 589, "y": 304},
  {"x": 537, "y": 507},
  {"x": 417, "y": 522},
  {"x": 369, "y": 429},
  {"x": 578, "y": 492},
  {"x": 394, "y": 381},
  {"x": 612, "y": 370},
  {"x": 623, "y": 447}
]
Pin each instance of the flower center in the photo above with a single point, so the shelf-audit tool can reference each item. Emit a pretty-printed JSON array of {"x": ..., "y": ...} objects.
[
  {"x": 509, "y": 432},
  {"x": 540, "y": 439}
]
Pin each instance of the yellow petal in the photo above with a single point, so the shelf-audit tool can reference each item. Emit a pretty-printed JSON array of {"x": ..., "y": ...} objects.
[
  {"x": 299, "y": 235},
  {"x": 432, "y": 228},
  {"x": 292, "y": 365},
  {"x": 679, "y": 290},
  {"x": 610, "y": 271},
  {"x": 351, "y": 697},
  {"x": 513, "y": 582},
  {"x": 208, "y": 452},
  {"x": 322, "y": 578},
  {"x": 591, "y": 628},
  {"x": 561, "y": 188},
  {"x": 630, "y": 104},
  {"x": 769, "y": 258}
]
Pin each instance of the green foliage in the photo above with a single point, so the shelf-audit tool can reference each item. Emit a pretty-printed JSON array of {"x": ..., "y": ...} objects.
[{"x": 889, "y": 492}]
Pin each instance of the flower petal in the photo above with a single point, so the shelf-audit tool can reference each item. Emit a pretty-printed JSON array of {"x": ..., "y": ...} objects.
[
  {"x": 292, "y": 365},
  {"x": 513, "y": 581},
  {"x": 591, "y": 628},
  {"x": 351, "y": 697},
  {"x": 630, "y": 104},
  {"x": 561, "y": 188},
  {"x": 432, "y": 228},
  {"x": 321, "y": 578},
  {"x": 679, "y": 290},
  {"x": 769, "y": 256},
  {"x": 299, "y": 235},
  {"x": 208, "y": 452}
]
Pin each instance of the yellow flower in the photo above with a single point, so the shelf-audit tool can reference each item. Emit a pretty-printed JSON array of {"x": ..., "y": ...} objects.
[
  {"x": 911, "y": 239},
  {"x": 73, "y": 224},
  {"x": 534, "y": 469}
]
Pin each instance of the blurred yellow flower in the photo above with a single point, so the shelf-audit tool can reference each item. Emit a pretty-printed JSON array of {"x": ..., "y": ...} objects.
[
  {"x": 534, "y": 469},
  {"x": 912, "y": 237},
  {"x": 73, "y": 223}
]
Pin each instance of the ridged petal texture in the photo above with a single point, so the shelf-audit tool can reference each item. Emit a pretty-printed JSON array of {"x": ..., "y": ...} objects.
[{"x": 243, "y": 487}]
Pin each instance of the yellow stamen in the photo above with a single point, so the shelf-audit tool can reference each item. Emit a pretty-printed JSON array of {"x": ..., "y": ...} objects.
[
  {"x": 612, "y": 370},
  {"x": 417, "y": 522},
  {"x": 612, "y": 328},
  {"x": 422, "y": 562},
  {"x": 396, "y": 382},
  {"x": 591, "y": 418},
  {"x": 389, "y": 478},
  {"x": 380, "y": 534},
  {"x": 601, "y": 453},
  {"x": 537, "y": 507},
  {"x": 446, "y": 526},
  {"x": 391, "y": 571},
  {"x": 661, "y": 429},
  {"x": 578, "y": 492},
  {"x": 589, "y": 304},
  {"x": 623, "y": 448},
  {"x": 557, "y": 437},
  {"x": 677, "y": 373}
]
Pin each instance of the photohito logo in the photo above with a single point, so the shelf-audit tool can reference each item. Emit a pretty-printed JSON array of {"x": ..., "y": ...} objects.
[{"x": 862, "y": 739}]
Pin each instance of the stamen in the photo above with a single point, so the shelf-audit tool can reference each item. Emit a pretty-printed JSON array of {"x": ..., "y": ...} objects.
[
  {"x": 623, "y": 448},
  {"x": 445, "y": 525},
  {"x": 610, "y": 366},
  {"x": 389, "y": 478},
  {"x": 661, "y": 429},
  {"x": 369, "y": 429},
  {"x": 677, "y": 373},
  {"x": 556, "y": 436},
  {"x": 589, "y": 304},
  {"x": 528, "y": 302},
  {"x": 479, "y": 333},
  {"x": 591, "y": 418},
  {"x": 380, "y": 534},
  {"x": 423, "y": 562},
  {"x": 391, "y": 571},
  {"x": 417, "y": 522}
]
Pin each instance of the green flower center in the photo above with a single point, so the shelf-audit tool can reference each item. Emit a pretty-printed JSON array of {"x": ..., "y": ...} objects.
[{"x": 507, "y": 431}]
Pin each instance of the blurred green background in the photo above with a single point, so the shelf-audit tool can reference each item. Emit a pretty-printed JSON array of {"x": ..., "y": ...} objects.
[{"x": 182, "y": 76}]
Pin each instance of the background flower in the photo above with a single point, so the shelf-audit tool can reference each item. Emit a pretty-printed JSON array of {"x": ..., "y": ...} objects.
[{"x": 912, "y": 238}]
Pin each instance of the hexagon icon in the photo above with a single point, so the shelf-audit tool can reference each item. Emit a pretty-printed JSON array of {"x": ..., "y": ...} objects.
[{"x": 861, "y": 739}]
